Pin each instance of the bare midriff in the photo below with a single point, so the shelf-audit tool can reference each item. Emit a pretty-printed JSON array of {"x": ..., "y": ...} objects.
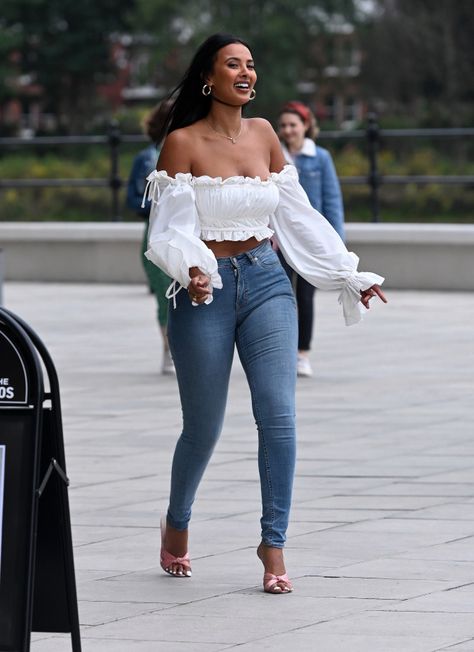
[{"x": 229, "y": 248}]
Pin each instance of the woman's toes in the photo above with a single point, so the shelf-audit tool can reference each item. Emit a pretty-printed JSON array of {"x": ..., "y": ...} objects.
[{"x": 179, "y": 570}]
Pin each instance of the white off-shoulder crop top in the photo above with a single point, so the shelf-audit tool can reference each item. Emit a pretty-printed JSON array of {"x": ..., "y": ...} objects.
[
  {"x": 236, "y": 208},
  {"x": 186, "y": 210}
]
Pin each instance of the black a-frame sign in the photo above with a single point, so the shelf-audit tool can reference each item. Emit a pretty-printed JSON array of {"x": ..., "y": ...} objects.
[{"x": 37, "y": 580}]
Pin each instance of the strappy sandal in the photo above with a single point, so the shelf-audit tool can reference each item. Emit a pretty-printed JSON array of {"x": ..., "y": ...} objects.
[
  {"x": 270, "y": 583},
  {"x": 167, "y": 559}
]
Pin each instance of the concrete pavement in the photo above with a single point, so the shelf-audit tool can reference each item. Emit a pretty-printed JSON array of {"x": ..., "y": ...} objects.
[{"x": 381, "y": 543}]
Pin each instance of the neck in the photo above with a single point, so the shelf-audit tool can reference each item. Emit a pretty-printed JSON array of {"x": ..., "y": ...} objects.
[
  {"x": 296, "y": 147},
  {"x": 226, "y": 118}
]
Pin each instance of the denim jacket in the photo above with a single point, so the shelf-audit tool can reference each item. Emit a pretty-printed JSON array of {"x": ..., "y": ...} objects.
[
  {"x": 318, "y": 177},
  {"x": 143, "y": 164}
]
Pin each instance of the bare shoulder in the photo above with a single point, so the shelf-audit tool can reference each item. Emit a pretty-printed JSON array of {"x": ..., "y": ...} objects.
[
  {"x": 261, "y": 126},
  {"x": 263, "y": 130},
  {"x": 182, "y": 135},
  {"x": 175, "y": 152}
]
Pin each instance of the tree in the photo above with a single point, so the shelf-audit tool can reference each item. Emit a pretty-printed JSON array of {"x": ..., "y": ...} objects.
[
  {"x": 281, "y": 34},
  {"x": 9, "y": 42},
  {"x": 419, "y": 59},
  {"x": 65, "y": 46}
]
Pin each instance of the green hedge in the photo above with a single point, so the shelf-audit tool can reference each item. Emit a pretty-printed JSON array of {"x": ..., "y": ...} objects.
[{"x": 432, "y": 203}]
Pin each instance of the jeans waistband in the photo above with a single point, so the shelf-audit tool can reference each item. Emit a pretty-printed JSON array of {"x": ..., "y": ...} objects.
[{"x": 250, "y": 255}]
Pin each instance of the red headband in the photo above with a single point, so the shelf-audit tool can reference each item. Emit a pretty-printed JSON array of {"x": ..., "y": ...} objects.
[{"x": 299, "y": 108}]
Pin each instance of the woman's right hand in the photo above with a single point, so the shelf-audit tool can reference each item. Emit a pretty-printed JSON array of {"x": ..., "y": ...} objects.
[{"x": 198, "y": 289}]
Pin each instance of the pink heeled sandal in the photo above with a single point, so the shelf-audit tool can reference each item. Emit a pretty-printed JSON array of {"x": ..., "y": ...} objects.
[
  {"x": 270, "y": 583},
  {"x": 167, "y": 559}
]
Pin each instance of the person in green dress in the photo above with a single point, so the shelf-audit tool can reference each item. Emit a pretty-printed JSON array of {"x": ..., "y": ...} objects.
[{"x": 143, "y": 164}]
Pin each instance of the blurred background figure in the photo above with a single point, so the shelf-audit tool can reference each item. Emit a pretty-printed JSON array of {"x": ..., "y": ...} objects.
[
  {"x": 143, "y": 164},
  {"x": 297, "y": 129}
]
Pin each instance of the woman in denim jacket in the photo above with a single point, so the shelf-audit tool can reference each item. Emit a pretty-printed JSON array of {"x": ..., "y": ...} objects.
[{"x": 297, "y": 130}]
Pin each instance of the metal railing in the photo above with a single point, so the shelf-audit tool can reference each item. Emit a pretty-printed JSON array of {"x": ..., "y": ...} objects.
[
  {"x": 374, "y": 179},
  {"x": 373, "y": 136}
]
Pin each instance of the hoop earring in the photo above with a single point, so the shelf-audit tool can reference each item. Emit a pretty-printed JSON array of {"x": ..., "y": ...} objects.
[
  {"x": 253, "y": 94},
  {"x": 206, "y": 90}
]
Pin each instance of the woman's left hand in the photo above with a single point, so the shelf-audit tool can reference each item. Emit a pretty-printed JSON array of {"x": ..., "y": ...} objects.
[
  {"x": 198, "y": 287},
  {"x": 374, "y": 290}
]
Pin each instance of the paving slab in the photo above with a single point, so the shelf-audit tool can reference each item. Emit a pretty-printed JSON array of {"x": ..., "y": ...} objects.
[
  {"x": 407, "y": 568},
  {"x": 397, "y": 623},
  {"x": 381, "y": 539},
  {"x": 310, "y": 639},
  {"x": 453, "y": 600},
  {"x": 465, "y": 646}
]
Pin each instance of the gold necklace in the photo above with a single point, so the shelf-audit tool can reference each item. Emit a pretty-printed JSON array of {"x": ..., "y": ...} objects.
[{"x": 233, "y": 139}]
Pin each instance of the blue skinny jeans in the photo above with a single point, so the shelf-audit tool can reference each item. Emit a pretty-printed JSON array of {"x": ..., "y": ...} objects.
[{"x": 255, "y": 310}]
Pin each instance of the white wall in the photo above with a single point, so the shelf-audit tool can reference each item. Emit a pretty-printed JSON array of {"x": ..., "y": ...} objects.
[{"x": 410, "y": 256}]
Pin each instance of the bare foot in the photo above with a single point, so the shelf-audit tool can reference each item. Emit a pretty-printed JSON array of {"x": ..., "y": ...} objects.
[
  {"x": 176, "y": 543},
  {"x": 272, "y": 560}
]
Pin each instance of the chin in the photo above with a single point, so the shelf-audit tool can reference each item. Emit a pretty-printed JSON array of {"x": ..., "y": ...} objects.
[{"x": 241, "y": 99}]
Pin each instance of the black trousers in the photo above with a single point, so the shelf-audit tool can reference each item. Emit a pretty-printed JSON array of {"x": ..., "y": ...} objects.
[{"x": 304, "y": 293}]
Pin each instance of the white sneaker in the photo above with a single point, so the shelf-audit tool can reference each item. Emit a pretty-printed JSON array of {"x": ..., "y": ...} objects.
[
  {"x": 167, "y": 367},
  {"x": 303, "y": 367}
]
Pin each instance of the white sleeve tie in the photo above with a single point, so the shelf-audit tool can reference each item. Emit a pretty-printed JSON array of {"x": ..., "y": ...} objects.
[
  {"x": 172, "y": 291},
  {"x": 152, "y": 189}
]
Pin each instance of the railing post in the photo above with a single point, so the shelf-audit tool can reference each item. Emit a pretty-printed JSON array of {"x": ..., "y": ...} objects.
[
  {"x": 115, "y": 182},
  {"x": 373, "y": 139}
]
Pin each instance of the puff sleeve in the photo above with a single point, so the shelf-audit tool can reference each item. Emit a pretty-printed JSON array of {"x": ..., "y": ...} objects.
[
  {"x": 174, "y": 233},
  {"x": 312, "y": 247}
]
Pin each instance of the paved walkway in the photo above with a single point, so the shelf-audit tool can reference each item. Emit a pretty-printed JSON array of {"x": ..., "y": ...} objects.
[{"x": 381, "y": 544}]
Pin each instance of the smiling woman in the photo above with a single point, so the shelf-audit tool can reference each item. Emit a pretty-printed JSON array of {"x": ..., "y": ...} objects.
[{"x": 221, "y": 190}]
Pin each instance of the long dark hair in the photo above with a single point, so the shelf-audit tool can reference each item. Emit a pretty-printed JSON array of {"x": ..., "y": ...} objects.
[{"x": 188, "y": 104}]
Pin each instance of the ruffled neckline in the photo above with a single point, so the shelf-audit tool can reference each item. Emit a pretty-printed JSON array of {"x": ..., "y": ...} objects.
[{"x": 204, "y": 180}]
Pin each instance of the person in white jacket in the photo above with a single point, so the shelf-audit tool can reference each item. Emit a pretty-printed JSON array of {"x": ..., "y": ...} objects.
[{"x": 221, "y": 190}]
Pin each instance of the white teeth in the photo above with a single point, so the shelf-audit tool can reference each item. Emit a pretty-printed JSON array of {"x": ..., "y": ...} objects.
[{"x": 242, "y": 85}]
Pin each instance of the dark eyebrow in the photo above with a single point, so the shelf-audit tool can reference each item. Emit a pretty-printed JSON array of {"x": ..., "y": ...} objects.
[{"x": 238, "y": 59}]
